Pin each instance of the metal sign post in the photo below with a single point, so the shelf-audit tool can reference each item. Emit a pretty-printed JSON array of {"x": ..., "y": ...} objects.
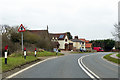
[
  {"x": 22, "y": 39},
  {"x": 21, "y": 29}
]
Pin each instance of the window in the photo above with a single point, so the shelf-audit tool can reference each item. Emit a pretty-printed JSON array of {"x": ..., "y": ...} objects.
[
  {"x": 61, "y": 36},
  {"x": 65, "y": 40}
]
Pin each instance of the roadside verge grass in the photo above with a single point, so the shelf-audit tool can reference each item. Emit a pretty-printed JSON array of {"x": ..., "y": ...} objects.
[
  {"x": 112, "y": 59},
  {"x": 80, "y": 52},
  {"x": 118, "y": 55},
  {"x": 45, "y": 54},
  {"x": 13, "y": 62},
  {"x": 17, "y": 59}
]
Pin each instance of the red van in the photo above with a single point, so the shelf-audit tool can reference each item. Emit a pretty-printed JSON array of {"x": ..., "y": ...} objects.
[{"x": 98, "y": 49}]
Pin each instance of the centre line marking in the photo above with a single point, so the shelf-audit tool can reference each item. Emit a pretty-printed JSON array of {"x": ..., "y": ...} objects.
[{"x": 87, "y": 71}]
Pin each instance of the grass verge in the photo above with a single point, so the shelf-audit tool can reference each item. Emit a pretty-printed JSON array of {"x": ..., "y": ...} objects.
[
  {"x": 16, "y": 59},
  {"x": 112, "y": 59},
  {"x": 118, "y": 55},
  {"x": 16, "y": 62},
  {"x": 45, "y": 53},
  {"x": 80, "y": 52}
]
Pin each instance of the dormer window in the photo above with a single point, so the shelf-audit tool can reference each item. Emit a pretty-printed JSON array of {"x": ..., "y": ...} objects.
[
  {"x": 56, "y": 38},
  {"x": 53, "y": 38}
]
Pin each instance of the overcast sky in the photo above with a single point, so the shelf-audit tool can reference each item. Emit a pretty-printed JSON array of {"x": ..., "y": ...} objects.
[{"x": 90, "y": 19}]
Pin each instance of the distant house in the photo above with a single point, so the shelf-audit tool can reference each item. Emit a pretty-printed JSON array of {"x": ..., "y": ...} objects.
[
  {"x": 77, "y": 44},
  {"x": 61, "y": 41},
  {"x": 88, "y": 46}
]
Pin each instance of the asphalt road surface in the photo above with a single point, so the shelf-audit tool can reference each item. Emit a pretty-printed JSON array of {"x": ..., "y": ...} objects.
[
  {"x": 100, "y": 67},
  {"x": 68, "y": 67}
]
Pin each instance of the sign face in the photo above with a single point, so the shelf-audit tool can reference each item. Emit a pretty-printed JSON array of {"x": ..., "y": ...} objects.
[
  {"x": 6, "y": 47},
  {"x": 21, "y": 28}
]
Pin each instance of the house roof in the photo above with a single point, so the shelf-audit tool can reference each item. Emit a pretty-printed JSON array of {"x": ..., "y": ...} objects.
[
  {"x": 60, "y": 36},
  {"x": 76, "y": 40},
  {"x": 44, "y": 34},
  {"x": 82, "y": 39},
  {"x": 88, "y": 45},
  {"x": 87, "y": 41},
  {"x": 39, "y": 32}
]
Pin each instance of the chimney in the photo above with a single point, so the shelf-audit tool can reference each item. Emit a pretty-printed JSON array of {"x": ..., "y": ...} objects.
[
  {"x": 47, "y": 27},
  {"x": 76, "y": 37}
]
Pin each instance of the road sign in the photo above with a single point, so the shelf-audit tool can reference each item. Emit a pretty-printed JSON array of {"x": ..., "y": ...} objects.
[{"x": 21, "y": 28}]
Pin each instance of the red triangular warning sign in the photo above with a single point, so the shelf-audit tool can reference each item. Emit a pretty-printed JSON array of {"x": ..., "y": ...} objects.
[{"x": 21, "y": 28}]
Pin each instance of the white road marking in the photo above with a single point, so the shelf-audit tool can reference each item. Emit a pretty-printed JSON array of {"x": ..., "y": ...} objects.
[
  {"x": 86, "y": 68},
  {"x": 29, "y": 67}
]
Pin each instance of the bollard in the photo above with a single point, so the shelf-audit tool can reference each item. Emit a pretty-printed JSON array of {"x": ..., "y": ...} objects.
[
  {"x": 56, "y": 51},
  {"x": 6, "y": 47},
  {"x": 35, "y": 51},
  {"x": 24, "y": 53},
  {"x": 5, "y": 56}
]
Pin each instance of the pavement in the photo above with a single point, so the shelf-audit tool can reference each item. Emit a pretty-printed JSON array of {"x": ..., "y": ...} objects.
[
  {"x": 68, "y": 67},
  {"x": 114, "y": 56}
]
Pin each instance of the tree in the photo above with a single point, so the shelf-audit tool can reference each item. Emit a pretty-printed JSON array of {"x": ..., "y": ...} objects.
[
  {"x": 107, "y": 44},
  {"x": 7, "y": 38},
  {"x": 116, "y": 34}
]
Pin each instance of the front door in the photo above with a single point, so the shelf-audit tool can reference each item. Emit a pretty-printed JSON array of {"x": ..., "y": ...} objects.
[{"x": 66, "y": 47}]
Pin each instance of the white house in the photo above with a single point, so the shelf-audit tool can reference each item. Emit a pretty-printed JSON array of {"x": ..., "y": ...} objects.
[
  {"x": 61, "y": 40},
  {"x": 78, "y": 44}
]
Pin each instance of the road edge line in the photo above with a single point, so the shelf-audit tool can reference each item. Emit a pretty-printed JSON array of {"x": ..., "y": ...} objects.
[
  {"x": 90, "y": 72},
  {"x": 109, "y": 61},
  {"x": 29, "y": 67}
]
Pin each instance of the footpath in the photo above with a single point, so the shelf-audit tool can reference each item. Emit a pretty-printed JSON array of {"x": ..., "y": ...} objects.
[{"x": 114, "y": 56}]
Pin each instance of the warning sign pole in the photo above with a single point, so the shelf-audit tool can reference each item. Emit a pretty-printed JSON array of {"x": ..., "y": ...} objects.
[
  {"x": 22, "y": 39},
  {"x": 21, "y": 29}
]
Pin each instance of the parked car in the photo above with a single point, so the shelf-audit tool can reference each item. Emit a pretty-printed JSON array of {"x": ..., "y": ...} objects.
[{"x": 98, "y": 49}]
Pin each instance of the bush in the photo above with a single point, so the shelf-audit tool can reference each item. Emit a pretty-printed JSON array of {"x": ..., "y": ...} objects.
[{"x": 12, "y": 38}]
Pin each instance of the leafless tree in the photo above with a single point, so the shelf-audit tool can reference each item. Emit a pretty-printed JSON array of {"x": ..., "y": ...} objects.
[{"x": 116, "y": 34}]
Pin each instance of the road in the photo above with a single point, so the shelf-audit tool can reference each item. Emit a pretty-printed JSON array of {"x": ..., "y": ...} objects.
[
  {"x": 68, "y": 67},
  {"x": 100, "y": 67}
]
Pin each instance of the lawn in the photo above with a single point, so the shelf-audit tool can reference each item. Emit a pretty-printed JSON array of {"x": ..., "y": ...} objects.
[
  {"x": 112, "y": 59},
  {"x": 16, "y": 60},
  {"x": 118, "y": 55}
]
